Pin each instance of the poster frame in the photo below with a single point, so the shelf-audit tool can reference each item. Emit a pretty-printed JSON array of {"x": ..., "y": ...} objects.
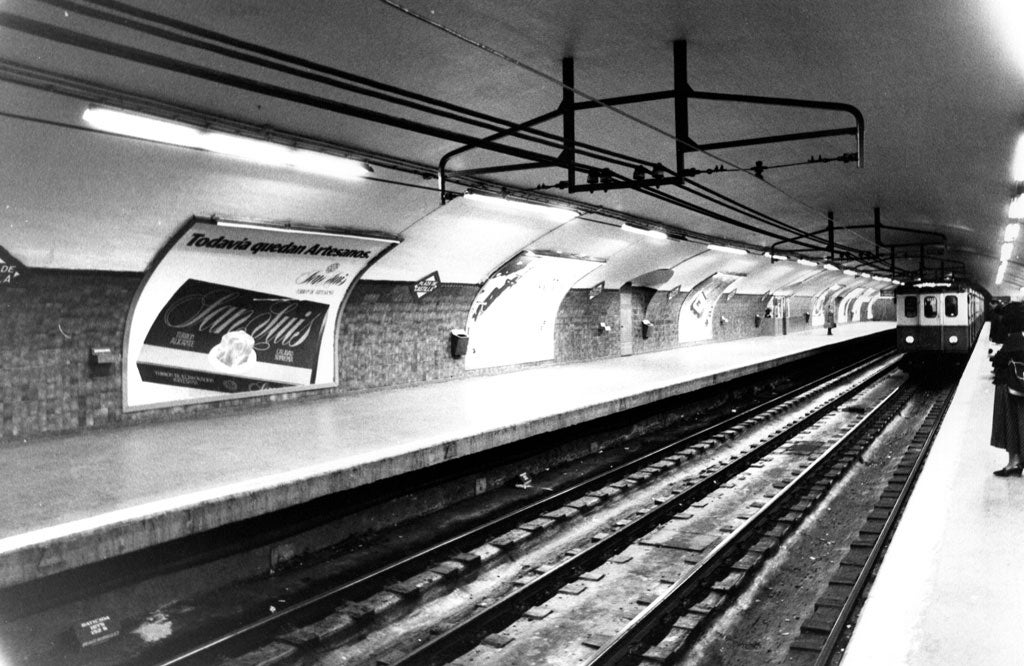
[{"x": 272, "y": 225}]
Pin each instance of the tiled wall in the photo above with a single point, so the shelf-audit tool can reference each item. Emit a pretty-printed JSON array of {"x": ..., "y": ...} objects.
[
  {"x": 48, "y": 323},
  {"x": 386, "y": 337}
]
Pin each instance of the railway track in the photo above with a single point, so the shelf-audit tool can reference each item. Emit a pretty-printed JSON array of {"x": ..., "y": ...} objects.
[
  {"x": 304, "y": 629},
  {"x": 702, "y": 542}
]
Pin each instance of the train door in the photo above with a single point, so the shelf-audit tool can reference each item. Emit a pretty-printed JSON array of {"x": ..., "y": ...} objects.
[
  {"x": 930, "y": 329},
  {"x": 955, "y": 312}
]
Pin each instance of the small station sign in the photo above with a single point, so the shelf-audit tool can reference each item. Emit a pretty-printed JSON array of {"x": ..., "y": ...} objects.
[{"x": 96, "y": 631}]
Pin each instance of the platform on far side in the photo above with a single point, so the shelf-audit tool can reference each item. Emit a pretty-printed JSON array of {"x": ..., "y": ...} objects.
[
  {"x": 950, "y": 588},
  {"x": 82, "y": 498}
]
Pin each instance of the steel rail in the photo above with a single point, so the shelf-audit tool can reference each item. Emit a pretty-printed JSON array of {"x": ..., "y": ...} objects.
[
  {"x": 267, "y": 625},
  {"x": 636, "y": 632},
  {"x": 881, "y": 543},
  {"x": 461, "y": 637}
]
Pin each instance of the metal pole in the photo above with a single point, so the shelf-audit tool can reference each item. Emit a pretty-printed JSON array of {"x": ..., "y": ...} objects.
[
  {"x": 682, "y": 104},
  {"x": 569, "y": 120}
]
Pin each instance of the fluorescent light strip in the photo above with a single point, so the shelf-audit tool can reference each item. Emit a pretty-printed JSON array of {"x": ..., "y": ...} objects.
[
  {"x": 1011, "y": 233},
  {"x": 653, "y": 233},
  {"x": 829, "y": 267},
  {"x": 1005, "y": 252},
  {"x": 1018, "y": 156},
  {"x": 847, "y": 271},
  {"x": 141, "y": 126},
  {"x": 1016, "y": 211},
  {"x": 551, "y": 212},
  {"x": 1001, "y": 273},
  {"x": 727, "y": 249},
  {"x": 806, "y": 262}
]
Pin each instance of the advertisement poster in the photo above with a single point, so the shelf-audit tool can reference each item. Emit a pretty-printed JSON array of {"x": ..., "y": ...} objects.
[
  {"x": 698, "y": 307},
  {"x": 235, "y": 308},
  {"x": 512, "y": 319}
]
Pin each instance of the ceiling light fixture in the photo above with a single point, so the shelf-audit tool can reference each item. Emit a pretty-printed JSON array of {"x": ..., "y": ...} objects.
[
  {"x": 1012, "y": 230},
  {"x": 1017, "y": 208},
  {"x": 151, "y": 128},
  {"x": 727, "y": 249},
  {"x": 1005, "y": 252},
  {"x": 551, "y": 212},
  {"x": 1001, "y": 273},
  {"x": 653, "y": 233},
  {"x": 1018, "y": 161},
  {"x": 806, "y": 262},
  {"x": 829, "y": 267},
  {"x": 847, "y": 271}
]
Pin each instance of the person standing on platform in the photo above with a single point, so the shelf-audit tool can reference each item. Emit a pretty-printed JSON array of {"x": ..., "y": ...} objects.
[
  {"x": 1008, "y": 403},
  {"x": 997, "y": 332},
  {"x": 830, "y": 319}
]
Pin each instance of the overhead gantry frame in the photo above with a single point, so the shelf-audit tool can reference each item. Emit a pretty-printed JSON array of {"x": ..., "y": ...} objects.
[
  {"x": 646, "y": 174},
  {"x": 939, "y": 240}
]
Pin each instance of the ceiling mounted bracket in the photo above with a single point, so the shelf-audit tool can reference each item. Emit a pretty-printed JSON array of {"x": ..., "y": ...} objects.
[
  {"x": 644, "y": 174},
  {"x": 877, "y": 226}
]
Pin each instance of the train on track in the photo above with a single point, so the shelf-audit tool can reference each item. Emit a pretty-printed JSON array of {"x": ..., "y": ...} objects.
[{"x": 938, "y": 321}]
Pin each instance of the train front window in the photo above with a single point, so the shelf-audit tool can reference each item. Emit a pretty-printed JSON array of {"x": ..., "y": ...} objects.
[
  {"x": 910, "y": 306},
  {"x": 952, "y": 307},
  {"x": 931, "y": 307}
]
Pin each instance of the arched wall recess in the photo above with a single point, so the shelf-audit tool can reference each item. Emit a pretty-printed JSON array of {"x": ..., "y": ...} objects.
[
  {"x": 463, "y": 241},
  {"x": 640, "y": 255},
  {"x": 512, "y": 319},
  {"x": 695, "y": 314}
]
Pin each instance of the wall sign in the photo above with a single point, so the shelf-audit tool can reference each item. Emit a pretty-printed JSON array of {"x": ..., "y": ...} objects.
[
  {"x": 235, "y": 308},
  {"x": 10, "y": 269},
  {"x": 426, "y": 285}
]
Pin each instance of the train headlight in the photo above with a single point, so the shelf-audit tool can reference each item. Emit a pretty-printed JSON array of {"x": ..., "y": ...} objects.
[
  {"x": 953, "y": 339},
  {"x": 909, "y": 339}
]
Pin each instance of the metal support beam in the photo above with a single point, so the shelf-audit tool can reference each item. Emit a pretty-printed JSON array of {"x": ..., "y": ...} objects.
[
  {"x": 777, "y": 138},
  {"x": 569, "y": 120},
  {"x": 831, "y": 237},
  {"x": 878, "y": 228},
  {"x": 803, "y": 103},
  {"x": 682, "y": 102}
]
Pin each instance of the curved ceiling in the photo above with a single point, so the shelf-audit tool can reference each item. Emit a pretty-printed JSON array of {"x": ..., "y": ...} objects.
[{"x": 938, "y": 84}]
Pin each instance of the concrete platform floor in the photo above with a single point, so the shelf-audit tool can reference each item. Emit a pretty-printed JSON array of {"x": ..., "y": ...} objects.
[
  {"x": 951, "y": 588},
  {"x": 81, "y": 498}
]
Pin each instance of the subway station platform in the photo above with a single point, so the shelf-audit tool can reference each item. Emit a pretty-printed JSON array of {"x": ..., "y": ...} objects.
[
  {"x": 74, "y": 500},
  {"x": 950, "y": 589}
]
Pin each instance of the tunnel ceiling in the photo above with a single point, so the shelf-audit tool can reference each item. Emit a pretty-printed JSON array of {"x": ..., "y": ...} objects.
[{"x": 936, "y": 82}]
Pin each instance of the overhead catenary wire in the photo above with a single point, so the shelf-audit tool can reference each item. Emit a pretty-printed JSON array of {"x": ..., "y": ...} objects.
[
  {"x": 208, "y": 40},
  {"x": 194, "y": 36},
  {"x": 141, "y": 20},
  {"x": 576, "y": 91},
  {"x": 483, "y": 119}
]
